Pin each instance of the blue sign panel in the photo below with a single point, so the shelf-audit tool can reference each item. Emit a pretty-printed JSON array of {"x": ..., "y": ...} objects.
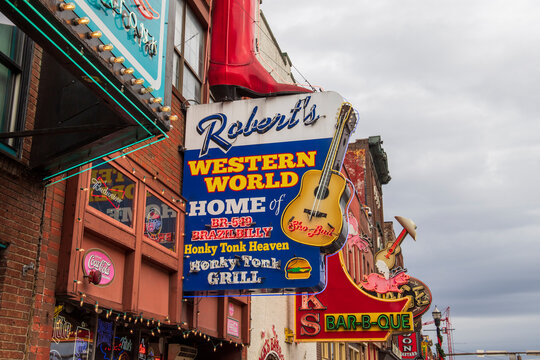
[
  {"x": 244, "y": 164},
  {"x": 138, "y": 31}
]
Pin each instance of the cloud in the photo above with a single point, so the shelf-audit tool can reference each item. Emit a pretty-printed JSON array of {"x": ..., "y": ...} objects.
[{"x": 452, "y": 88}]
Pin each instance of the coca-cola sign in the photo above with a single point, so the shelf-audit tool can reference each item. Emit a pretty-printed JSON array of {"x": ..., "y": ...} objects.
[{"x": 98, "y": 260}]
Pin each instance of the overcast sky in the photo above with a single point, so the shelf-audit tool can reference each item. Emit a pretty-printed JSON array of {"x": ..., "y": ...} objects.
[{"x": 453, "y": 88}]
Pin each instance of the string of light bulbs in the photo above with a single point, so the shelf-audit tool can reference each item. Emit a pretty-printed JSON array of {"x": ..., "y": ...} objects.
[{"x": 155, "y": 325}]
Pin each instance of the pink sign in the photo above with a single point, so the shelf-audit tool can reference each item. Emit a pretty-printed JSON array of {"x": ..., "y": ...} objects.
[
  {"x": 231, "y": 309},
  {"x": 98, "y": 260},
  {"x": 232, "y": 327},
  {"x": 408, "y": 345}
]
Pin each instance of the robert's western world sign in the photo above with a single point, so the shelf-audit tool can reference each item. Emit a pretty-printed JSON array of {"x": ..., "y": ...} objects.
[{"x": 245, "y": 162}]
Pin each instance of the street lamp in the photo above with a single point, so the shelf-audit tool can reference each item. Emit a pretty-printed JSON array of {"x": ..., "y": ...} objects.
[{"x": 437, "y": 319}]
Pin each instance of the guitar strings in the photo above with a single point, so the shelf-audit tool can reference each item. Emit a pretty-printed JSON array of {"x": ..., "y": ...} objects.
[
  {"x": 327, "y": 172},
  {"x": 323, "y": 179}
]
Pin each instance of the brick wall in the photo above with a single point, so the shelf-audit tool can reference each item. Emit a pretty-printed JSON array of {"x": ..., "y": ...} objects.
[
  {"x": 20, "y": 214},
  {"x": 44, "y": 300},
  {"x": 21, "y": 225},
  {"x": 163, "y": 159}
]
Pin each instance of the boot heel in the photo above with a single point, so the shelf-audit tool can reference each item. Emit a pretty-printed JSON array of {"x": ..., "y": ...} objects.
[{"x": 225, "y": 92}]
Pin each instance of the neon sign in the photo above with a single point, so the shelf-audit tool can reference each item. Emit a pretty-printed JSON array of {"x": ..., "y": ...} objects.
[
  {"x": 61, "y": 329},
  {"x": 344, "y": 312},
  {"x": 399, "y": 321},
  {"x": 408, "y": 345},
  {"x": 413, "y": 289},
  {"x": 85, "y": 35},
  {"x": 144, "y": 47},
  {"x": 96, "y": 259},
  {"x": 101, "y": 188},
  {"x": 243, "y": 165},
  {"x": 130, "y": 21}
]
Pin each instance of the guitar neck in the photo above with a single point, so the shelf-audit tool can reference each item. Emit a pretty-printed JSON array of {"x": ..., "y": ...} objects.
[
  {"x": 396, "y": 243},
  {"x": 338, "y": 141}
]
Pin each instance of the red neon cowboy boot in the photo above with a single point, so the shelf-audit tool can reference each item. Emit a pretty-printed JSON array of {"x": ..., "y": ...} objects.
[{"x": 234, "y": 70}]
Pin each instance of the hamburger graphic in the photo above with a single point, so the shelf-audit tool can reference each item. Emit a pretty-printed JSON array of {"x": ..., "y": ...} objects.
[{"x": 297, "y": 268}]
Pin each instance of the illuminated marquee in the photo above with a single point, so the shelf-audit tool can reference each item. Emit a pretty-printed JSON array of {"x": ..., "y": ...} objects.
[
  {"x": 135, "y": 35},
  {"x": 244, "y": 162},
  {"x": 401, "y": 321},
  {"x": 118, "y": 50},
  {"x": 413, "y": 289},
  {"x": 344, "y": 312},
  {"x": 408, "y": 345}
]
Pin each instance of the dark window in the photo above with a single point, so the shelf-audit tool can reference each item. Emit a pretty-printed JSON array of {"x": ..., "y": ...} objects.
[
  {"x": 160, "y": 222},
  {"x": 188, "y": 58},
  {"x": 73, "y": 333},
  {"x": 14, "y": 74},
  {"x": 112, "y": 192},
  {"x": 104, "y": 339},
  {"x": 125, "y": 343}
]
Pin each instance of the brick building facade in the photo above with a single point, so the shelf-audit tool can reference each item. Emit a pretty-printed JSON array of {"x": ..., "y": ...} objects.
[
  {"x": 46, "y": 227},
  {"x": 51, "y": 306}
]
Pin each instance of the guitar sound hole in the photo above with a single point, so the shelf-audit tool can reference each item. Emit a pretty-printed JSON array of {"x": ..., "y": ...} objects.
[
  {"x": 321, "y": 194},
  {"x": 316, "y": 214}
]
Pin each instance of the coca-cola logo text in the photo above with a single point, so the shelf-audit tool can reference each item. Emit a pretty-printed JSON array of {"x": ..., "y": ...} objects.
[
  {"x": 98, "y": 260},
  {"x": 99, "y": 264}
]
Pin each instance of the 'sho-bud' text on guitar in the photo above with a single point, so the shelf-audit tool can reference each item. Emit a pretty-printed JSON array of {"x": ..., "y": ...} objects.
[{"x": 316, "y": 215}]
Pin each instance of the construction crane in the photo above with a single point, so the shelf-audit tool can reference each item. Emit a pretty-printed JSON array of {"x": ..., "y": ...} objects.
[{"x": 447, "y": 329}]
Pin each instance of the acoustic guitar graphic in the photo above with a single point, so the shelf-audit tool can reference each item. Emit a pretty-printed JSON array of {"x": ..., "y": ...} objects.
[
  {"x": 316, "y": 216},
  {"x": 389, "y": 253}
]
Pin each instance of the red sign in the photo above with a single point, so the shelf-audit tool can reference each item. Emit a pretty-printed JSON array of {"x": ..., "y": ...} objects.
[
  {"x": 233, "y": 327},
  {"x": 344, "y": 312},
  {"x": 408, "y": 345}
]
